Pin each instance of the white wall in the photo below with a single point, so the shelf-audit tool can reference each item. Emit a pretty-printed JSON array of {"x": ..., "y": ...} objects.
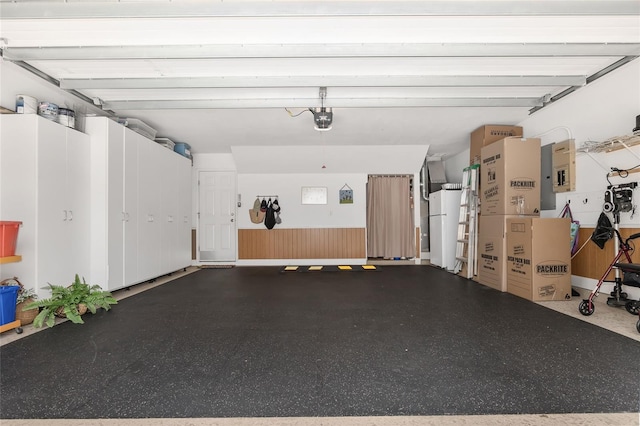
[
  {"x": 263, "y": 172},
  {"x": 455, "y": 164},
  {"x": 294, "y": 214},
  {"x": 601, "y": 110},
  {"x": 16, "y": 81},
  {"x": 288, "y": 188},
  {"x": 375, "y": 159}
]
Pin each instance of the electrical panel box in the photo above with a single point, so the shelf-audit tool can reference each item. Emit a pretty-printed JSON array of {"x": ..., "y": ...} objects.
[
  {"x": 547, "y": 196},
  {"x": 564, "y": 166}
]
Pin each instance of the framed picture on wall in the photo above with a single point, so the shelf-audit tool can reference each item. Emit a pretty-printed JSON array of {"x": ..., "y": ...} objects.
[
  {"x": 346, "y": 195},
  {"x": 314, "y": 195}
]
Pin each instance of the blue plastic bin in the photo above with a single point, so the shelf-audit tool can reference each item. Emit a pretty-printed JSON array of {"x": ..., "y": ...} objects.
[
  {"x": 8, "y": 298},
  {"x": 183, "y": 149}
]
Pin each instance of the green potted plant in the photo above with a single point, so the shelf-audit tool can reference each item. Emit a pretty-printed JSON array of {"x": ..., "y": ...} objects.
[
  {"x": 71, "y": 302},
  {"x": 25, "y": 297}
]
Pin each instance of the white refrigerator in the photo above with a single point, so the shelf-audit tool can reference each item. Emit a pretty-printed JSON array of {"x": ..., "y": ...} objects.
[{"x": 444, "y": 214}]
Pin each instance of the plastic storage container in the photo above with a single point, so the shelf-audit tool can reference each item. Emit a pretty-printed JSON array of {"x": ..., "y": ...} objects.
[
  {"x": 8, "y": 299},
  {"x": 8, "y": 238},
  {"x": 183, "y": 149},
  {"x": 48, "y": 110},
  {"x": 138, "y": 126},
  {"x": 26, "y": 104},
  {"x": 67, "y": 117},
  {"x": 166, "y": 142}
]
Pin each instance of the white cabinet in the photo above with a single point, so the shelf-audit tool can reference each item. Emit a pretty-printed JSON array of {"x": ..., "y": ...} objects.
[
  {"x": 183, "y": 219},
  {"x": 149, "y": 209},
  {"x": 44, "y": 182},
  {"x": 169, "y": 213},
  {"x": 130, "y": 207},
  {"x": 137, "y": 197},
  {"x": 108, "y": 213}
]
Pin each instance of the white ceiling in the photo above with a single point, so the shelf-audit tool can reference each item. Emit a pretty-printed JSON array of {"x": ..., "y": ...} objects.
[{"x": 219, "y": 74}]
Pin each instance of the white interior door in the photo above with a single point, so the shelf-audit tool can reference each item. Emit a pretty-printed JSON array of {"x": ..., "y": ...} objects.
[{"x": 217, "y": 213}]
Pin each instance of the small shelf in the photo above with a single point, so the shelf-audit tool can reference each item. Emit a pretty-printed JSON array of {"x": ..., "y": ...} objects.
[
  {"x": 11, "y": 325},
  {"x": 10, "y": 259}
]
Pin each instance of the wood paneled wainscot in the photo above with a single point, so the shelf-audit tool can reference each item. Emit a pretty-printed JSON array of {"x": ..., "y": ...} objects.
[
  {"x": 302, "y": 243},
  {"x": 592, "y": 262}
]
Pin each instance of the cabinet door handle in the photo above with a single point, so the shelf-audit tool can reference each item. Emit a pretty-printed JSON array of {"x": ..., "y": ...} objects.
[
  {"x": 70, "y": 215},
  {"x": 65, "y": 215},
  {"x": 124, "y": 217}
]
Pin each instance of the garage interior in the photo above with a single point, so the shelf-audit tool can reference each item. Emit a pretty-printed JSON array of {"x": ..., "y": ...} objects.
[{"x": 308, "y": 102}]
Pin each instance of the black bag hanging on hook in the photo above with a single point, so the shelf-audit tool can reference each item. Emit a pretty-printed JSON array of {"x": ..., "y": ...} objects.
[
  {"x": 270, "y": 217},
  {"x": 276, "y": 210},
  {"x": 603, "y": 231}
]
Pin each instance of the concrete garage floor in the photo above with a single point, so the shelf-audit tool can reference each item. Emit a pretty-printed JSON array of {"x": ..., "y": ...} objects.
[{"x": 614, "y": 319}]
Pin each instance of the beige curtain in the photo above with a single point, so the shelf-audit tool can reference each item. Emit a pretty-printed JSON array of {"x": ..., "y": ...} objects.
[{"x": 390, "y": 223}]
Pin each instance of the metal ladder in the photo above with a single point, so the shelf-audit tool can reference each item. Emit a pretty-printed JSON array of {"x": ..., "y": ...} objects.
[{"x": 467, "y": 243}]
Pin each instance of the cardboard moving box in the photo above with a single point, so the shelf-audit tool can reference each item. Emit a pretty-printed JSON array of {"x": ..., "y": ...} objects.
[
  {"x": 492, "y": 249},
  {"x": 539, "y": 258},
  {"x": 510, "y": 177},
  {"x": 489, "y": 134}
]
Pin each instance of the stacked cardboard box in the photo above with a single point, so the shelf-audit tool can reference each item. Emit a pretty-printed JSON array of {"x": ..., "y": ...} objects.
[
  {"x": 510, "y": 177},
  {"x": 509, "y": 189},
  {"x": 492, "y": 247},
  {"x": 539, "y": 258},
  {"x": 486, "y": 135},
  {"x": 481, "y": 137}
]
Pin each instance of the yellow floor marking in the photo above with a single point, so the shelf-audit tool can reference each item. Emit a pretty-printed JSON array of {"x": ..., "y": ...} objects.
[
  {"x": 291, "y": 268},
  {"x": 368, "y": 267},
  {"x": 315, "y": 268},
  {"x": 344, "y": 268}
]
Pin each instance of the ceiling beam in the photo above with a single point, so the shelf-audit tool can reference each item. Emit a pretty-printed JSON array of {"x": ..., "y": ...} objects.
[
  {"x": 332, "y": 50},
  {"x": 314, "y": 102},
  {"x": 589, "y": 80},
  {"x": 316, "y": 81},
  {"x": 163, "y": 9}
]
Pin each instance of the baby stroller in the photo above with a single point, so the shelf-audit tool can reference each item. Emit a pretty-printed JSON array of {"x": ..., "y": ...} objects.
[{"x": 630, "y": 274}]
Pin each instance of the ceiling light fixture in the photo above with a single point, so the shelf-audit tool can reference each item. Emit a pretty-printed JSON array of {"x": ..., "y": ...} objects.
[{"x": 322, "y": 117}]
